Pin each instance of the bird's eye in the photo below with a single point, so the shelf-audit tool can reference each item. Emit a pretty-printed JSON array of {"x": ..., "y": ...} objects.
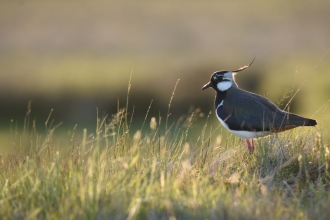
[{"x": 216, "y": 79}]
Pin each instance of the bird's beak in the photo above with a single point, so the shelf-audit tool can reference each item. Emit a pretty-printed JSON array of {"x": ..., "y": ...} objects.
[{"x": 207, "y": 85}]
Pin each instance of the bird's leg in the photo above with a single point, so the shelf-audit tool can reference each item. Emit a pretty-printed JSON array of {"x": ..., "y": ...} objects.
[{"x": 250, "y": 146}]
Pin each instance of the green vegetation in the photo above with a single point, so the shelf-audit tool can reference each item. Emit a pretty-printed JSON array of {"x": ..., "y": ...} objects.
[
  {"x": 157, "y": 168},
  {"x": 163, "y": 172}
]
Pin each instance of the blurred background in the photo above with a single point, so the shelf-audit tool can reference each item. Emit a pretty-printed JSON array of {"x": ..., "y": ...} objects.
[{"x": 77, "y": 56}]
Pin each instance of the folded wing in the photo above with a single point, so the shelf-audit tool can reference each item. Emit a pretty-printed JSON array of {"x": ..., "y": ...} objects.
[{"x": 251, "y": 112}]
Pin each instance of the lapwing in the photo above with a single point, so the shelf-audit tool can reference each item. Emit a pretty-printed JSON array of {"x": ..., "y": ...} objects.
[{"x": 248, "y": 115}]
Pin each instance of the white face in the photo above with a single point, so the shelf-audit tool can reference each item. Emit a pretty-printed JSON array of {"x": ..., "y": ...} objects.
[{"x": 226, "y": 82}]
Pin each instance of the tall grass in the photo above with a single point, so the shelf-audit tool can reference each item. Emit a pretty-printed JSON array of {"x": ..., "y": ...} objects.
[{"x": 162, "y": 172}]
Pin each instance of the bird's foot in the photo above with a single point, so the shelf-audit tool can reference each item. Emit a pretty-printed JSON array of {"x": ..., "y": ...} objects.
[{"x": 250, "y": 146}]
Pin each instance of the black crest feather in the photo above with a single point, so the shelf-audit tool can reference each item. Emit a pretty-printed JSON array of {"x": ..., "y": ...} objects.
[{"x": 244, "y": 67}]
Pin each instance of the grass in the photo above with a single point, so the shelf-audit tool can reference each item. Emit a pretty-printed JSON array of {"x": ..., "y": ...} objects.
[{"x": 162, "y": 171}]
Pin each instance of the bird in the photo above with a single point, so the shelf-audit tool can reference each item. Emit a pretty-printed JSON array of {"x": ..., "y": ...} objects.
[{"x": 246, "y": 114}]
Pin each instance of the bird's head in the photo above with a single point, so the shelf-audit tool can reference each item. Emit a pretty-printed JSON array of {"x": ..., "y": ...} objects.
[{"x": 223, "y": 80}]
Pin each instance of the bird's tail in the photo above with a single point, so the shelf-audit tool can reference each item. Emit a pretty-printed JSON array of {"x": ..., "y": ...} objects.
[
  {"x": 293, "y": 119},
  {"x": 289, "y": 121}
]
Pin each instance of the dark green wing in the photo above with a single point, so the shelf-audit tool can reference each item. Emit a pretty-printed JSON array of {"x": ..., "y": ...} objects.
[{"x": 243, "y": 110}]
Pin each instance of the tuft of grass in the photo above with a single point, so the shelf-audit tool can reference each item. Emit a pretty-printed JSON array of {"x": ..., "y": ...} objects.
[{"x": 163, "y": 172}]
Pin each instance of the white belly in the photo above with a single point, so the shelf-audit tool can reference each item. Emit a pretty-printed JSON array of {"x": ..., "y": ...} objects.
[{"x": 250, "y": 134}]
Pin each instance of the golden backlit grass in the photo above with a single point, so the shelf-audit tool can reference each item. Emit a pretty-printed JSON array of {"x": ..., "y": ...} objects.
[{"x": 161, "y": 172}]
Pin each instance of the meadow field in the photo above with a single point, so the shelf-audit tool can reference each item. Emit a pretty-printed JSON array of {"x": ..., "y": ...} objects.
[
  {"x": 161, "y": 171},
  {"x": 102, "y": 114}
]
